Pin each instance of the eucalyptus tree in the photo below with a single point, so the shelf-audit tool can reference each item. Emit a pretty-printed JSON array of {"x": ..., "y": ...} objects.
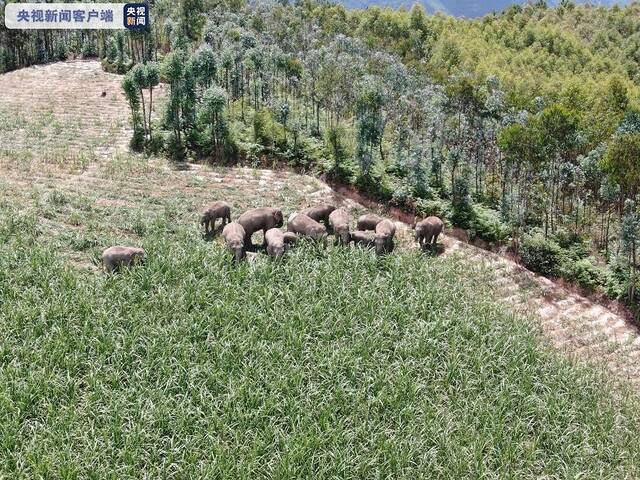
[
  {"x": 371, "y": 121},
  {"x": 146, "y": 77},
  {"x": 211, "y": 116},
  {"x": 206, "y": 66},
  {"x": 130, "y": 87},
  {"x": 630, "y": 240}
]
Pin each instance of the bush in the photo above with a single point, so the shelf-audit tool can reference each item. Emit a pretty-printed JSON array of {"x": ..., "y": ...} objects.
[
  {"x": 486, "y": 224},
  {"x": 265, "y": 129},
  {"x": 402, "y": 194},
  {"x": 586, "y": 273},
  {"x": 541, "y": 255},
  {"x": 61, "y": 52},
  {"x": 136, "y": 144},
  {"x": 576, "y": 246},
  {"x": 175, "y": 148},
  {"x": 88, "y": 49},
  {"x": 437, "y": 208},
  {"x": 155, "y": 144}
]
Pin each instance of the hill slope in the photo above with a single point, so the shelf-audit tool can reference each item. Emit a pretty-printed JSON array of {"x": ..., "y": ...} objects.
[
  {"x": 331, "y": 363},
  {"x": 460, "y": 8}
]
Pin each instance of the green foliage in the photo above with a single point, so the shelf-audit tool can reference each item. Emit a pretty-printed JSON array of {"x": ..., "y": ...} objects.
[
  {"x": 191, "y": 18},
  {"x": 370, "y": 121},
  {"x": 541, "y": 255},
  {"x": 211, "y": 116},
  {"x": 487, "y": 224},
  {"x": 265, "y": 129},
  {"x": 621, "y": 161},
  {"x": 438, "y": 208},
  {"x": 336, "y": 142},
  {"x": 587, "y": 273}
]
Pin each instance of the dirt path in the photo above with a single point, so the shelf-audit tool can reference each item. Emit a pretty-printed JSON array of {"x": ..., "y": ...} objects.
[{"x": 59, "y": 133}]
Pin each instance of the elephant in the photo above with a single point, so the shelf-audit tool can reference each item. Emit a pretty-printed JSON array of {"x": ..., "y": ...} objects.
[
  {"x": 320, "y": 213},
  {"x": 364, "y": 238},
  {"x": 113, "y": 258},
  {"x": 259, "y": 219},
  {"x": 234, "y": 237},
  {"x": 339, "y": 221},
  {"x": 369, "y": 221},
  {"x": 212, "y": 213},
  {"x": 428, "y": 230},
  {"x": 290, "y": 239},
  {"x": 385, "y": 231},
  {"x": 304, "y": 225},
  {"x": 275, "y": 242}
]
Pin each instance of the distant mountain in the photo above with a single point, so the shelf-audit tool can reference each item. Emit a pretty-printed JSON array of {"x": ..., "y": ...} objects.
[{"x": 461, "y": 8}]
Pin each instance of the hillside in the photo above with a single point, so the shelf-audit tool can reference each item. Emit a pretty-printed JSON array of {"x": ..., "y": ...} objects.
[
  {"x": 521, "y": 128},
  {"x": 329, "y": 364},
  {"x": 461, "y": 8}
]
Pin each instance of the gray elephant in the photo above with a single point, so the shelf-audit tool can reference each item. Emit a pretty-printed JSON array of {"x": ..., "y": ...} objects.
[
  {"x": 290, "y": 238},
  {"x": 259, "y": 219},
  {"x": 213, "y": 212},
  {"x": 385, "y": 231},
  {"x": 320, "y": 213},
  {"x": 369, "y": 221},
  {"x": 339, "y": 220},
  {"x": 114, "y": 258},
  {"x": 428, "y": 230},
  {"x": 304, "y": 225},
  {"x": 234, "y": 236},
  {"x": 275, "y": 242},
  {"x": 363, "y": 238}
]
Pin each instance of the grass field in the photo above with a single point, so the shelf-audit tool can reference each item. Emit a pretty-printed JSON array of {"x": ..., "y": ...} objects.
[{"x": 331, "y": 364}]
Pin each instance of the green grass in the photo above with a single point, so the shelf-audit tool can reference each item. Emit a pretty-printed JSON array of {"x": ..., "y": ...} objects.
[{"x": 330, "y": 364}]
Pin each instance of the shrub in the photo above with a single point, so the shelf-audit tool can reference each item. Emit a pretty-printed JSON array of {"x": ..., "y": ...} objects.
[
  {"x": 486, "y": 224},
  {"x": 541, "y": 255},
  {"x": 586, "y": 273},
  {"x": 438, "y": 208},
  {"x": 155, "y": 144},
  {"x": 402, "y": 194},
  {"x": 136, "y": 144},
  {"x": 576, "y": 246},
  {"x": 265, "y": 129}
]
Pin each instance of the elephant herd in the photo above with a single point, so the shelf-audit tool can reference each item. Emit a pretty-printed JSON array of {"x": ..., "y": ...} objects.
[{"x": 316, "y": 223}]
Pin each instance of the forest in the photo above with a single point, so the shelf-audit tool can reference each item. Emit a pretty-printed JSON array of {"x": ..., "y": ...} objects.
[{"x": 522, "y": 127}]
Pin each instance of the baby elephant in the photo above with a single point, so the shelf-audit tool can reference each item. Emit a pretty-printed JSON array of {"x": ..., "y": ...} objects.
[
  {"x": 428, "y": 230},
  {"x": 259, "y": 219},
  {"x": 213, "y": 212},
  {"x": 385, "y": 231},
  {"x": 290, "y": 239},
  {"x": 304, "y": 225},
  {"x": 234, "y": 236},
  {"x": 369, "y": 221},
  {"x": 113, "y": 258},
  {"x": 366, "y": 239},
  {"x": 275, "y": 242},
  {"x": 339, "y": 221},
  {"x": 320, "y": 213}
]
